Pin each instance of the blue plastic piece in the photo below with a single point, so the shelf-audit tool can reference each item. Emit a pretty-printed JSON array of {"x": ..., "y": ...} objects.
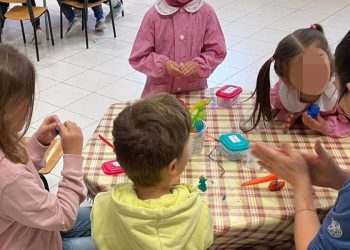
[{"x": 313, "y": 110}]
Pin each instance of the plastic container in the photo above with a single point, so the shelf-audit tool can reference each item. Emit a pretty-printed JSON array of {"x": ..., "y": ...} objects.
[
  {"x": 228, "y": 95},
  {"x": 234, "y": 146},
  {"x": 196, "y": 141},
  {"x": 112, "y": 168}
]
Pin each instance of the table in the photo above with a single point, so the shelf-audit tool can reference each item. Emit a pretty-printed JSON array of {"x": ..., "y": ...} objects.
[{"x": 244, "y": 218}]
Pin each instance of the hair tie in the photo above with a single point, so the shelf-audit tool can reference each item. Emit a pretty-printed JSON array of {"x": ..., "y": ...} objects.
[{"x": 313, "y": 26}]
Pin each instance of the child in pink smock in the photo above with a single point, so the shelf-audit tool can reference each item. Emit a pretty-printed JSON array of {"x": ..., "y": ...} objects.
[
  {"x": 304, "y": 64},
  {"x": 178, "y": 46}
]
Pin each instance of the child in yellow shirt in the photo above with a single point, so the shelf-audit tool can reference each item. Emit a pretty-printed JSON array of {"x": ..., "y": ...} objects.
[{"x": 151, "y": 144}]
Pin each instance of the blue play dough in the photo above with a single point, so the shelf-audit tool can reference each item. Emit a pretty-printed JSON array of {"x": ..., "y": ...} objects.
[{"x": 313, "y": 110}]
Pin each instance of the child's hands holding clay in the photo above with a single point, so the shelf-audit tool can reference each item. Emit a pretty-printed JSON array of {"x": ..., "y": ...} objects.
[
  {"x": 47, "y": 130},
  {"x": 290, "y": 120},
  {"x": 318, "y": 124}
]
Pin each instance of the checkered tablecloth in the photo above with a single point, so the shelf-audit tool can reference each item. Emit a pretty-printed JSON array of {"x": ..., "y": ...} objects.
[{"x": 244, "y": 218}]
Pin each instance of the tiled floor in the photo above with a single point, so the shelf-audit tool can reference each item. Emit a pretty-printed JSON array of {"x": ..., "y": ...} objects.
[{"x": 80, "y": 84}]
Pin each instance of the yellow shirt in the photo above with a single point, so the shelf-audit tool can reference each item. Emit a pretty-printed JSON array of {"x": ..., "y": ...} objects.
[{"x": 177, "y": 221}]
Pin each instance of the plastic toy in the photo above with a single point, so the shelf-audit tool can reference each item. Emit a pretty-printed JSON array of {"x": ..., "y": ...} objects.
[
  {"x": 313, "y": 110},
  {"x": 112, "y": 168},
  {"x": 202, "y": 186},
  {"x": 276, "y": 185}
]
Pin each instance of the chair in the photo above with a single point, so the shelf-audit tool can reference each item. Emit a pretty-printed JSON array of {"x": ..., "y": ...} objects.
[
  {"x": 23, "y": 13},
  {"x": 52, "y": 154},
  {"x": 84, "y": 7}
]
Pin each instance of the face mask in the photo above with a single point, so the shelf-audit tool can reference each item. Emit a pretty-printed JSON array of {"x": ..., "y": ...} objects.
[{"x": 175, "y": 3}]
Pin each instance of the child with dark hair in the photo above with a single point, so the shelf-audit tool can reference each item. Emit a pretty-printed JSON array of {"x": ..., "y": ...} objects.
[
  {"x": 337, "y": 124},
  {"x": 303, "y": 170},
  {"x": 304, "y": 64},
  {"x": 151, "y": 144}
]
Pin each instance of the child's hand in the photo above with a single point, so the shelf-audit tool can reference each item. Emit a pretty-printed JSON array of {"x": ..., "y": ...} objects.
[
  {"x": 290, "y": 120},
  {"x": 173, "y": 69},
  {"x": 286, "y": 163},
  {"x": 318, "y": 124},
  {"x": 323, "y": 169},
  {"x": 190, "y": 68},
  {"x": 72, "y": 138},
  {"x": 47, "y": 130}
]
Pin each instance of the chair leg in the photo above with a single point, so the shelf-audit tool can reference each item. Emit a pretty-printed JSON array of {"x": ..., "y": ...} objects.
[
  {"x": 123, "y": 9},
  {"x": 112, "y": 17},
  {"x": 85, "y": 26},
  {"x": 0, "y": 30},
  {"x": 24, "y": 36},
  {"x": 61, "y": 28},
  {"x": 1, "y": 24},
  {"x": 83, "y": 18},
  {"x": 50, "y": 27},
  {"x": 36, "y": 42}
]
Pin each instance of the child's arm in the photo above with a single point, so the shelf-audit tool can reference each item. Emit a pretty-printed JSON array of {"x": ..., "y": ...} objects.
[
  {"x": 143, "y": 57},
  {"x": 214, "y": 48},
  {"x": 329, "y": 125},
  {"x": 40, "y": 141},
  {"x": 26, "y": 202},
  {"x": 282, "y": 114},
  {"x": 36, "y": 152}
]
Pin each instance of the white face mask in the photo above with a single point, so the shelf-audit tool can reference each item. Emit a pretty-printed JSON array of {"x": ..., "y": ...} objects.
[{"x": 290, "y": 98}]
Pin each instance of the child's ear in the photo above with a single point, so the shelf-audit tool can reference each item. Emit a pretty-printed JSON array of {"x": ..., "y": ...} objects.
[
  {"x": 172, "y": 167},
  {"x": 348, "y": 86}
]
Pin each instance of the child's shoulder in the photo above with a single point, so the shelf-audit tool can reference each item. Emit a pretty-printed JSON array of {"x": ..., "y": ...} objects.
[
  {"x": 10, "y": 171},
  {"x": 125, "y": 187}
]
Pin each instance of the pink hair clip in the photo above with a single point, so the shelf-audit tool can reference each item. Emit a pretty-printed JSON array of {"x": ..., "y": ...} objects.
[{"x": 313, "y": 26}]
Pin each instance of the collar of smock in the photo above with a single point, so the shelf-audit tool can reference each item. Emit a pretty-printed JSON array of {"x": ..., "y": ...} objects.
[{"x": 163, "y": 8}]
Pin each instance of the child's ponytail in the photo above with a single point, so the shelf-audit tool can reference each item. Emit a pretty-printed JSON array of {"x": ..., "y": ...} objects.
[
  {"x": 317, "y": 27},
  {"x": 262, "y": 108}
]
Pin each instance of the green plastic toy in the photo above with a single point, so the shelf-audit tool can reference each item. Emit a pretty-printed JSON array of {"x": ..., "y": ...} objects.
[{"x": 202, "y": 186}]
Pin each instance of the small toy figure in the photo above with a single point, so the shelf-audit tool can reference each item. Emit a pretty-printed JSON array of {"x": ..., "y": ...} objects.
[
  {"x": 313, "y": 110},
  {"x": 276, "y": 185},
  {"x": 202, "y": 186}
]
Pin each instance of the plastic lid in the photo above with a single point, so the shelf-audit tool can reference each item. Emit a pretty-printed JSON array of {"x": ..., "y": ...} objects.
[
  {"x": 234, "y": 142},
  {"x": 229, "y": 91}
]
